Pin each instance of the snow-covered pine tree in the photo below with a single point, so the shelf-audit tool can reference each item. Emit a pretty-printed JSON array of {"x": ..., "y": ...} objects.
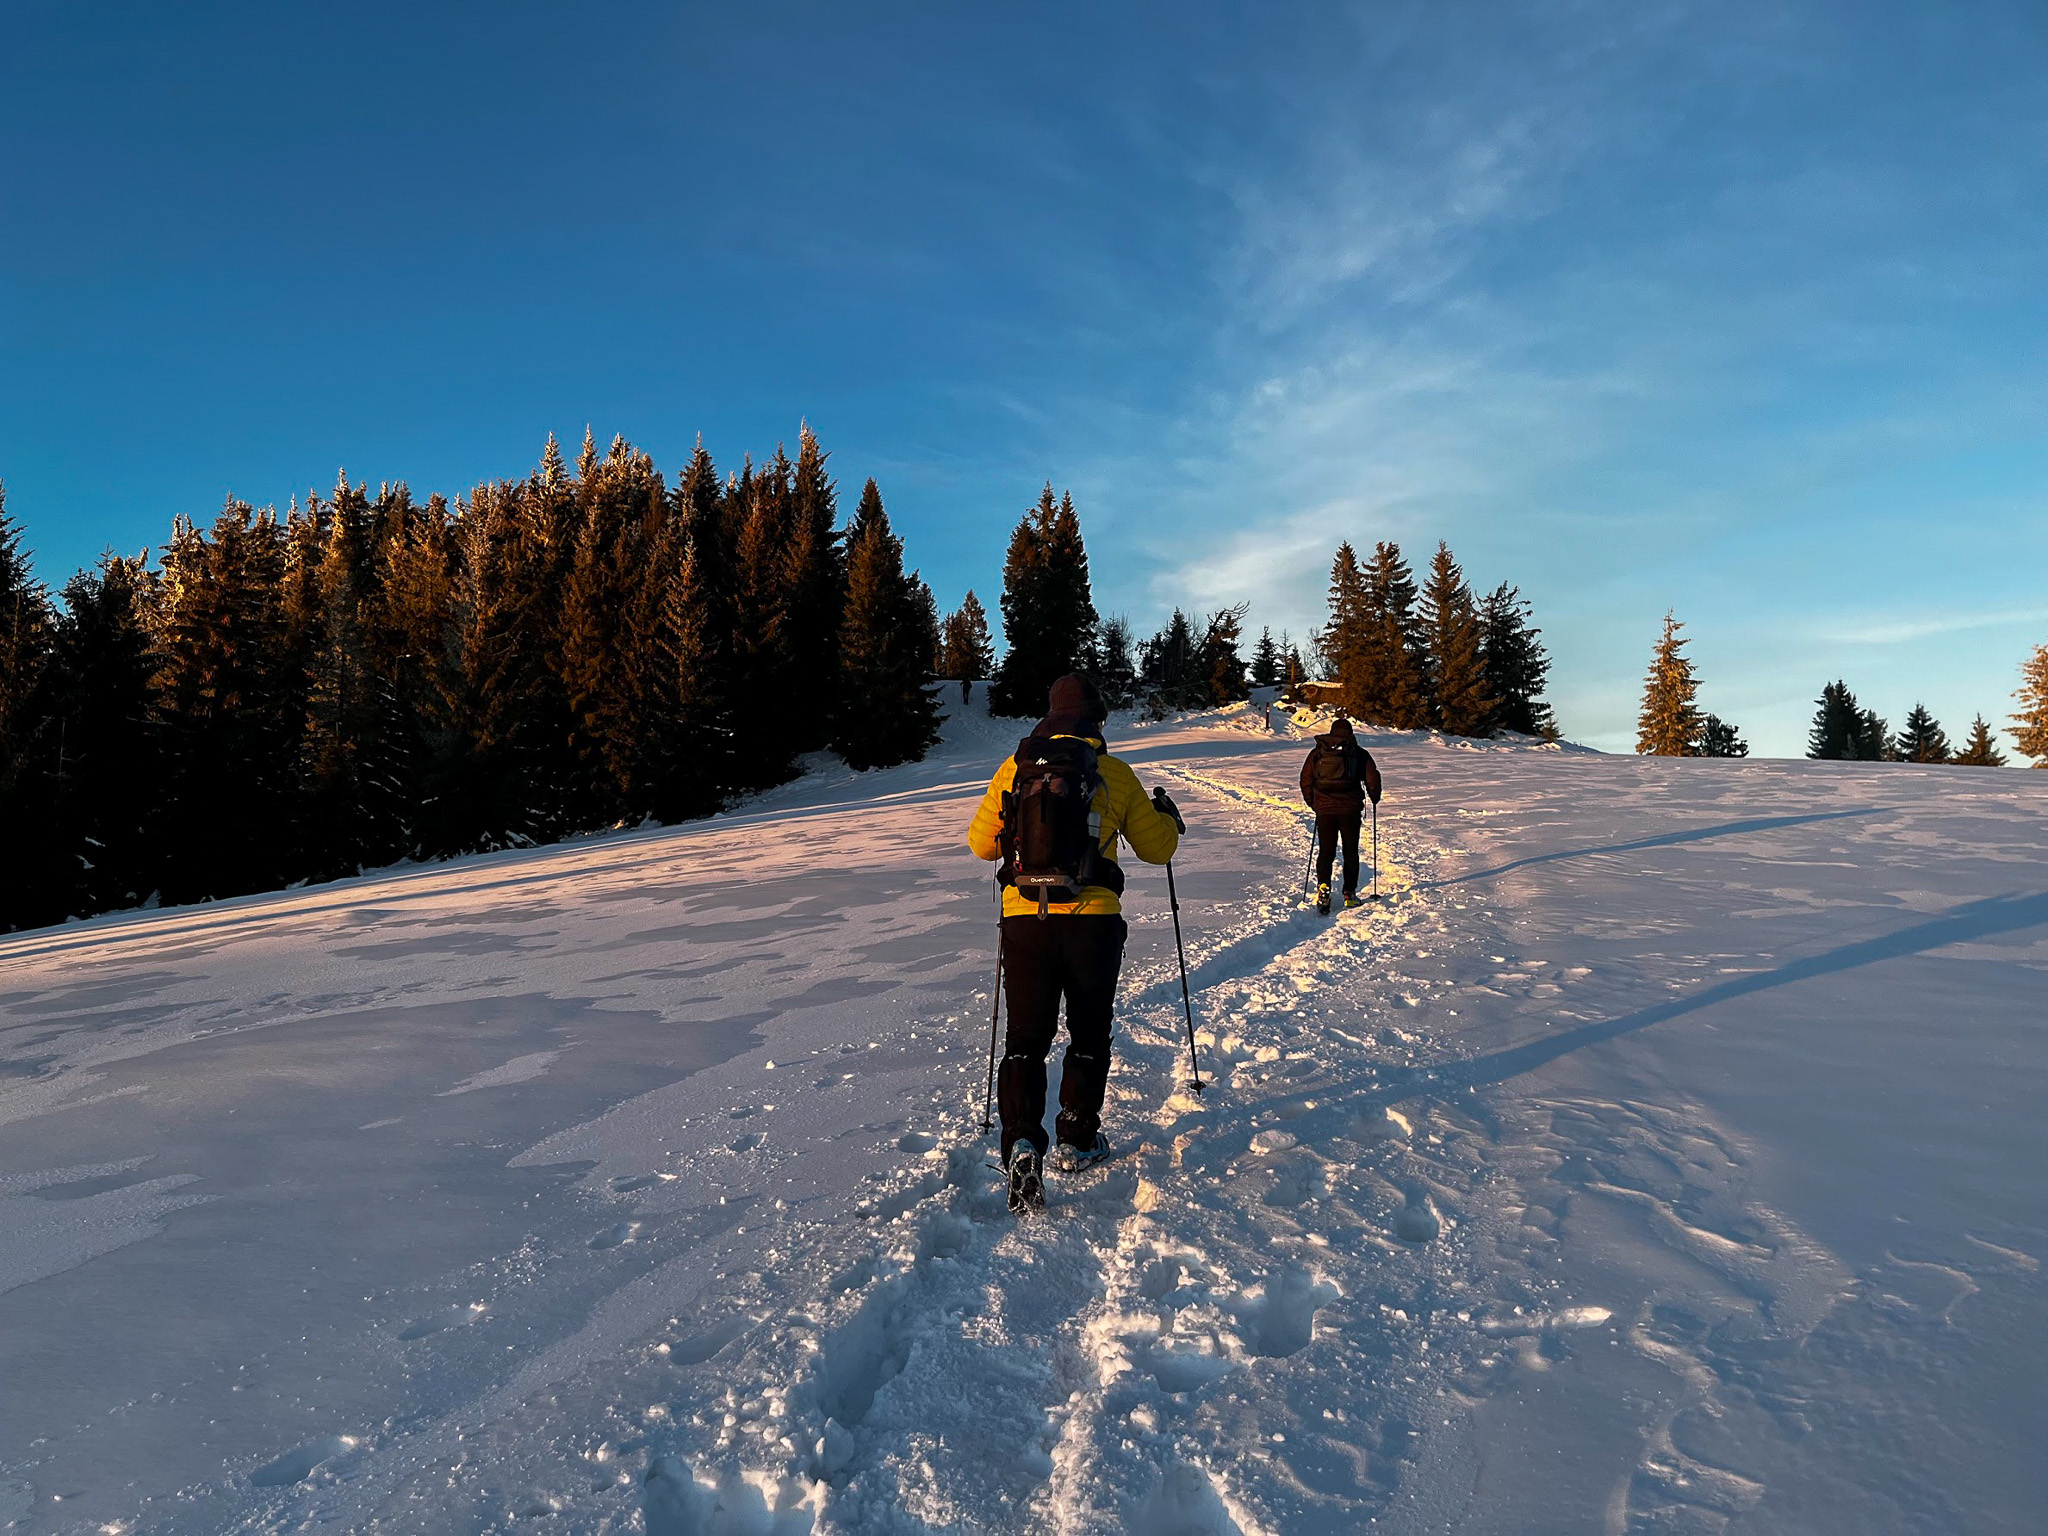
[
  {"x": 1517, "y": 665},
  {"x": 1668, "y": 724},
  {"x": 1397, "y": 654},
  {"x": 1265, "y": 669},
  {"x": 2030, "y": 720},
  {"x": 1460, "y": 701},
  {"x": 1347, "y": 639},
  {"x": 1923, "y": 740},
  {"x": 1048, "y": 611},
  {"x": 1980, "y": 751},
  {"x": 889, "y": 715},
  {"x": 1720, "y": 739},
  {"x": 1837, "y": 724}
]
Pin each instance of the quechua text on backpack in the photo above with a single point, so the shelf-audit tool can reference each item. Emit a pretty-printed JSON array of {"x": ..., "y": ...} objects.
[{"x": 1052, "y": 833}]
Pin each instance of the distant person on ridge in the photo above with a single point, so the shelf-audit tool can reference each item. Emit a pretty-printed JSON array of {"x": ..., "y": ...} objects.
[
  {"x": 1052, "y": 814},
  {"x": 1336, "y": 781}
]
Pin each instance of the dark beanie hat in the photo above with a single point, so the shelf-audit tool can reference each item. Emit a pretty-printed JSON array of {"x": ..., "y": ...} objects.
[
  {"x": 1076, "y": 695},
  {"x": 1341, "y": 729}
]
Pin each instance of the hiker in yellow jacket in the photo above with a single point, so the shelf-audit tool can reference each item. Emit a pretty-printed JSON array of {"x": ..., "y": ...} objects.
[{"x": 1063, "y": 930}]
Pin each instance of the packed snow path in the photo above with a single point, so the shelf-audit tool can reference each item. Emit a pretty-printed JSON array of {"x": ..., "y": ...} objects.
[{"x": 1664, "y": 1153}]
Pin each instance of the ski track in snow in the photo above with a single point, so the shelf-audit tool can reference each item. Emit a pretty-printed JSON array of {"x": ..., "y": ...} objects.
[{"x": 1485, "y": 1222}]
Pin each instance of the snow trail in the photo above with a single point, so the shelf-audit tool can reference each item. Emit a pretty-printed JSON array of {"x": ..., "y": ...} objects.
[{"x": 1658, "y": 1155}]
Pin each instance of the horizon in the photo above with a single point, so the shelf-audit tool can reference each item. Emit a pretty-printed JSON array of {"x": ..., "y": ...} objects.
[{"x": 1735, "y": 313}]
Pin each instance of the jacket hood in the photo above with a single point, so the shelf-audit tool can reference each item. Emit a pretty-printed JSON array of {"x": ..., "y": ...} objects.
[{"x": 1339, "y": 734}]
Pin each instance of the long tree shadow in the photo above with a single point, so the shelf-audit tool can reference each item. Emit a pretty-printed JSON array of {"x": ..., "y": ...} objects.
[
  {"x": 1663, "y": 840},
  {"x": 1974, "y": 920}
]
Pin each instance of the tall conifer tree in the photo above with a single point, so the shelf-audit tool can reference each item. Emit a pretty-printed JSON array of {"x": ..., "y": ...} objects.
[
  {"x": 889, "y": 715},
  {"x": 1265, "y": 668},
  {"x": 1923, "y": 740},
  {"x": 1048, "y": 611},
  {"x": 35, "y": 887},
  {"x": 2030, "y": 720},
  {"x": 1347, "y": 641},
  {"x": 1396, "y": 656},
  {"x": 1837, "y": 724},
  {"x": 1669, "y": 723},
  {"x": 967, "y": 653},
  {"x": 1457, "y": 685},
  {"x": 1516, "y": 664}
]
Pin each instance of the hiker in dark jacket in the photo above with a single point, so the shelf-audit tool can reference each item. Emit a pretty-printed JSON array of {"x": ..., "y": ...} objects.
[{"x": 1336, "y": 781}]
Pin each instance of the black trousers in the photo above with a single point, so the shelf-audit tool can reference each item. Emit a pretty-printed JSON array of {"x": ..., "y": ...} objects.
[
  {"x": 1327, "y": 828},
  {"x": 1045, "y": 959}
]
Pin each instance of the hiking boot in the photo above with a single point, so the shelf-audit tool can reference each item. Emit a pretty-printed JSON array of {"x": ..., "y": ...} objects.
[
  {"x": 1323, "y": 897},
  {"x": 1353, "y": 899},
  {"x": 1072, "y": 1159},
  {"x": 1027, "y": 1180}
]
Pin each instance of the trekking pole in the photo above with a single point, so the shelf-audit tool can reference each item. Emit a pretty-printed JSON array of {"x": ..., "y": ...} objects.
[
  {"x": 995, "y": 1013},
  {"x": 1308, "y": 870},
  {"x": 1375, "y": 850},
  {"x": 1195, "y": 1083}
]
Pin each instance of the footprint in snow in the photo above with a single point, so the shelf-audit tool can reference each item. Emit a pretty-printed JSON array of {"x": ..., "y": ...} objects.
[
  {"x": 457, "y": 1316},
  {"x": 297, "y": 1464},
  {"x": 747, "y": 1143},
  {"x": 1417, "y": 1221},
  {"x": 917, "y": 1141},
  {"x": 615, "y": 1237}
]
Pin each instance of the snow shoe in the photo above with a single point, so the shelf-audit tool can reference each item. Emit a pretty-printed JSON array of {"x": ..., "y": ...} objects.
[
  {"x": 1027, "y": 1180},
  {"x": 1323, "y": 898},
  {"x": 1353, "y": 899},
  {"x": 1072, "y": 1159}
]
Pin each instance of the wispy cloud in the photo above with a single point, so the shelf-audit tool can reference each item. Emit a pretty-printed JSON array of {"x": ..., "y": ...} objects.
[{"x": 1897, "y": 629}]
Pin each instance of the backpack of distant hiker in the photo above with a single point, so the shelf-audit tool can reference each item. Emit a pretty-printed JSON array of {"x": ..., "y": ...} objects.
[
  {"x": 1337, "y": 772},
  {"x": 1052, "y": 833}
]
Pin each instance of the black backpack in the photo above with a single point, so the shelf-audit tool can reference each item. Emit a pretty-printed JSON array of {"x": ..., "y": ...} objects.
[
  {"x": 1052, "y": 835},
  {"x": 1337, "y": 769}
]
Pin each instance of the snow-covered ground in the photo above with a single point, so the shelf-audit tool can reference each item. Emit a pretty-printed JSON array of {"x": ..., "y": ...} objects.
[{"x": 1665, "y": 1153}]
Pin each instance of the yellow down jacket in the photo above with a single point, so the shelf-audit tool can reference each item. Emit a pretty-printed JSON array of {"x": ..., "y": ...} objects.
[{"x": 1125, "y": 813}]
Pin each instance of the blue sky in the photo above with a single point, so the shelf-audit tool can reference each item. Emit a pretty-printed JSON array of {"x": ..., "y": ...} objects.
[{"x": 1729, "y": 308}]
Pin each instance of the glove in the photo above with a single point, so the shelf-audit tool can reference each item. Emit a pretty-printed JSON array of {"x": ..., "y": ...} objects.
[{"x": 1163, "y": 804}]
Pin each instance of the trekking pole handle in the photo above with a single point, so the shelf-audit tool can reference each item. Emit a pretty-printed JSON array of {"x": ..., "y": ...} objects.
[{"x": 1165, "y": 807}]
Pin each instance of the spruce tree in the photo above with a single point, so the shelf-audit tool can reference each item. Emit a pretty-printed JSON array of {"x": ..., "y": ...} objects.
[
  {"x": 1669, "y": 722},
  {"x": 1516, "y": 664},
  {"x": 1048, "y": 612},
  {"x": 1347, "y": 641},
  {"x": 227, "y": 699},
  {"x": 1293, "y": 670},
  {"x": 1837, "y": 724},
  {"x": 37, "y": 881},
  {"x": 1265, "y": 669},
  {"x": 1874, "y": 743},
  {"x": 1116, "y": 665},
  {"x": 342, "y": 714},
  {"x": 1168, "y": 676},
  {"x": 1396, "y": 654},
  {"x": 1219, "y": 668},
  {"x": 1720, "y": 739},
  {"x": 2030, "y": 721},
  {"x": 1460, "y": 699},
  {"x": 889, "y": 715},
  {"x": 109, "y": 773},
  {"x": 1980, "y": 751},
  {"x": 816, "y": 582},
  {"x": 693, "y": 766},
  {"x": 966, "y": 651},
  {"x": 1923, "y": 740}
]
